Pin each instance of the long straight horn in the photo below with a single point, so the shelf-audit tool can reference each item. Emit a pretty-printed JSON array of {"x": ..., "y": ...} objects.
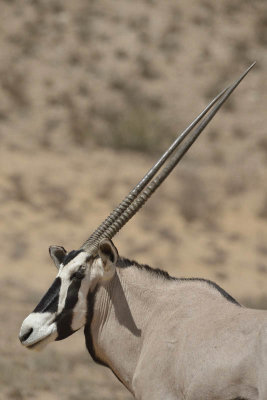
[
  {"x": 120, "y": 217},
  {"x": 147, "y": 178}
]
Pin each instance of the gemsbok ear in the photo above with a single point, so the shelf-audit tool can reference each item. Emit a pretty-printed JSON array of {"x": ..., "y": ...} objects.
[
  {"x": 57, "y": 253},
  {"x": 108, "y": 254}
]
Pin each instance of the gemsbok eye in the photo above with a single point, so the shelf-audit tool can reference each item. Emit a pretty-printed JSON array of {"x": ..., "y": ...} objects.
[{"x": 78, "y": 274}]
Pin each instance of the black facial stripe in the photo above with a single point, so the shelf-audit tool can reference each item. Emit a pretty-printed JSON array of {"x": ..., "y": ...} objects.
[
  {"x": 68, "y": 257},
  {"x": 72, "y": 294},
  {"x": 64, "y": 319},
  {"x": 50, "y": 300}
]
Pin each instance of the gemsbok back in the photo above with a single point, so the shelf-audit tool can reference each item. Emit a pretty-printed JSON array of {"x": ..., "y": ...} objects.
[{"x": 163, "y": 337}]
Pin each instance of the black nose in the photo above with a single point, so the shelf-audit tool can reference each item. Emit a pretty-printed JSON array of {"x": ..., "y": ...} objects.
[{"x": 26, "y": 335}]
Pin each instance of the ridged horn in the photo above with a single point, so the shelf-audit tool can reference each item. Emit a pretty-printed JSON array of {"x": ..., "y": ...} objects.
[
  {"x": 148, "y": 176},
  {"x": 135, "y": 199}
]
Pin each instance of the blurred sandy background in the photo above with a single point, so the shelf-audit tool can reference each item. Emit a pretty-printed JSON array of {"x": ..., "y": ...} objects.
[{"x": 91, "y": 92}]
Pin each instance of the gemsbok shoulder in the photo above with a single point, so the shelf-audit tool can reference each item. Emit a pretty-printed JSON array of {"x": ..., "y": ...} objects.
[{"x": 163, "y": 337}]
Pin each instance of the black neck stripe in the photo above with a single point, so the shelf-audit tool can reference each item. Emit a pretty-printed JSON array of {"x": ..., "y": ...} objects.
[{"x": 88, "y": 333}]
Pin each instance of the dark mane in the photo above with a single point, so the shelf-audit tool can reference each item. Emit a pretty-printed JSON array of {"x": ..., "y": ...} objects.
[{"x": 125, "y": 263}]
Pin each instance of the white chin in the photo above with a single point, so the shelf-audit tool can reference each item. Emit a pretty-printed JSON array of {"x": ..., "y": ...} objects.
[
  {"x": 42, "y": 343},
  {"x": 41, "y": 329}
]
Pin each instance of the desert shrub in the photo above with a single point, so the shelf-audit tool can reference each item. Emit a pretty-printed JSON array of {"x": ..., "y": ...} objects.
[
  {"x": 259, "y": 302},
  {"x": 263, "y": 210},
  {"x": 196, "y": 203},
  {"x": 235, "y": 185},
  {"x": 261, "y": 29},
  {"x": 138, "y": 130}
]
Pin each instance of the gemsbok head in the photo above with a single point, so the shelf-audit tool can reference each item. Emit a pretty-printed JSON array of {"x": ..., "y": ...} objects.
[{"x": 163, "y": 337}]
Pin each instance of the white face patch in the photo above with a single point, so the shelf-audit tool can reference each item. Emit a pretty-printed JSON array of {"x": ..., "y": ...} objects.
[
  {"x": 80, "y": 309},
  {"x": 65, "y": 272},
  {"x": 94, "y": 273}
]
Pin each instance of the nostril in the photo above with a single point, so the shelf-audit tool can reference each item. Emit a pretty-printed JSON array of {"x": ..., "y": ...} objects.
[{"x": 26, "y": 335}]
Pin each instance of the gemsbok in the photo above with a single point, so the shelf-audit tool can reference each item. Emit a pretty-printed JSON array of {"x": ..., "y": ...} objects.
[{"x": 163, "y": 337}]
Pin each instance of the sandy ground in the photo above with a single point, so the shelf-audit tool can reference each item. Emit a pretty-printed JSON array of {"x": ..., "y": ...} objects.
[{"x": 85, "y": 86}]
